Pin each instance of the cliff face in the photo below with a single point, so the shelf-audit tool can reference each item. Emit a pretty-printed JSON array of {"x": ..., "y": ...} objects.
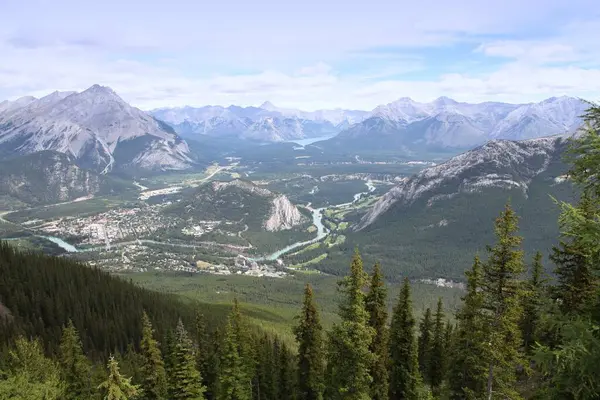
[{"x": 284, "y": 215}]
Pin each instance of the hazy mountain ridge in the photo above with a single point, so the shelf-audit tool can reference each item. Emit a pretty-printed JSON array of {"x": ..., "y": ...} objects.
[
  {"x": 445, "y": 123},
  {"x": 265, "y": 123},
  {"x": 91, "y": 126}
]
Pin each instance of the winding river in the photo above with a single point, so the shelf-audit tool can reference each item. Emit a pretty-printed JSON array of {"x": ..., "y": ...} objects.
[{"x": 317, "y": 217}]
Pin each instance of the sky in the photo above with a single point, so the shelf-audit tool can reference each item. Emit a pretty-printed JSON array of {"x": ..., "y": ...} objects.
[{"x": 309, "y": 54}]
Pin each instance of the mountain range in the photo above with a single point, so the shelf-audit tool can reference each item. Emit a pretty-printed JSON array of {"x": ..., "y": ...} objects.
[
  {"x": 100, "y": 130},
  {"x": 411, "y": 127},
  {"x": 404, "y": 124}
]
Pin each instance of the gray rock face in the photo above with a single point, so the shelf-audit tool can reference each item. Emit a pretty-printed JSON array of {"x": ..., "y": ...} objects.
[
  {"x": 91, "y": 126},
  {"x": 499, "y": 163}
]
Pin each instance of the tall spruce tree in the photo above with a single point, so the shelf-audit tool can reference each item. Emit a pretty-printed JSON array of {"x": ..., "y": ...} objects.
[
  {"x": 311, "y": 351},
  {"x": 503, "y": 293},
  {"x": 376, "y": 304},
  {"x": 233, "y": 379},
  {"x": 349, "y": 356},
  {"x": 532, "y": 305},
  {"x": 75, "y": 366},
  {"x": 468, "y": 370},
  {"x": 266, "y": 369},
  {"x": 154, "y": 382},
  {"x": 203, "y": 350},
  {"x": 286, "y": 380},
  {"x": 169, "y": 359},
  {"x": 437, "y": 368},
  {"x": 425, "y": 343},
  {"x": 405, "y": 378},
  {"x": 187, "y": 382},
  {"x": 578, "y": 282},
  {"x": 116, "y": 386}
]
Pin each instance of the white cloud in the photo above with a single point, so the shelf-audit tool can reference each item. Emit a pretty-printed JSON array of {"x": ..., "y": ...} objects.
[{"x": 309, "y": 54}]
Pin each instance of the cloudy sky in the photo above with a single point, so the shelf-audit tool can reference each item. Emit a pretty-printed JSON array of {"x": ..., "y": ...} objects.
[{"x": 308, "y": 54}]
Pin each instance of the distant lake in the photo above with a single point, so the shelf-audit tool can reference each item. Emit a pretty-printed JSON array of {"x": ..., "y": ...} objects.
[{"x": 305, "y": 142}]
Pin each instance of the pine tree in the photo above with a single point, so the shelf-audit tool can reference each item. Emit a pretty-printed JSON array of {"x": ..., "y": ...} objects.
[
  {"x": 117, "y": 387},
  {"x": 425, "y": 343},
  {"x": 30, "y": 375},
  {"x": 170, "y": 362},
  {"x": 153, "y": 370},
  {"x": 286, "y": 374},
  {"x": 502, "y": 298},
  {"x": 233, "y": 379},
  {"x": 203, "y": 352},
  {"x": 350, "y": 358},
  {"x": 437, "y": 368},
  {"x": 376, "y": 305},
  {"x": 311, "y": 357},
  {"x": 536, "y": 290},
  {"x": 187, "y": 382},
  {"x": 468, "y": 369},
  {"x": 266, "y": 369},
  {"x": 405, "y": 378},
  {"x": 577, "y": 281},
  {"x": 76, "y": 368},
  {"x": 244, "y": 340},
  {"x": 214, "y": 365}
]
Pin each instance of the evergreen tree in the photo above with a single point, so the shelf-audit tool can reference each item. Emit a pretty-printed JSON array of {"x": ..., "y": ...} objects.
[
  {"x": 405, "y": 378},
  {"x": 170, "y": 362},
  {"x": 376, "y": 304},
  {"x": 311, "y": 357},
  {"x": 468, "y": 369},
  {"x": 30, "y": 375},
  {"x": 244, "y": 340},
  {"x": 532, "y": 307},
  {"x": 267, "y": 368},
  {"x": 187, "y": 383},
  {"x": 203, "y": 352},
  {"x": 502, "y": 298},
  {"x": 578, "y": 283},
  {"x": 233, "y": 379},
  {"x": 286, "y": 374},
  {"x": 214, "y": 365},
  {"x": 350, "y": 358},
  {"x": 117, "y": 387},
  {"x": 154, "y": 383},
  {"x": 437, "y": 368},
  {"x": 425, "y": 343},
  {"x": 76, "y": 368}
]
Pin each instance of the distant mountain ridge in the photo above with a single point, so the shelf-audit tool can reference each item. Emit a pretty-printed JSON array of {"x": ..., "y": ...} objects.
[
  {"x": 403, "y": 124},
  {"x": 100, "y": 130},
  {"x": 266, "y": 123},
  {"x": 445, "y": 123}
]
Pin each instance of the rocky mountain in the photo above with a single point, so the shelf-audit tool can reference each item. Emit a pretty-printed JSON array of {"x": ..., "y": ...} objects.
[
  {"x": 100, "y": 130},
  {"x": 408, "y": 126},
  {"x": 49, "y": 177},
  {"x": 266, "y": 123},
  {"x": 452, "y": 207}
]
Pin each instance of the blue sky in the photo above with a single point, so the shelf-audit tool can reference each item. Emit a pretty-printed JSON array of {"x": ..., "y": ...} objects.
[{"x": 308, "y": 54}]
